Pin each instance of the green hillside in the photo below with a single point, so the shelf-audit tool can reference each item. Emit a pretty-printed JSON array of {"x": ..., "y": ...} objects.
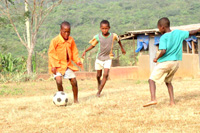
[{"x": 85, "y": 16}]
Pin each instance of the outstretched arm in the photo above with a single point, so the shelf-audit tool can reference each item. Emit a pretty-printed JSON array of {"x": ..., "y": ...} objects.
[
  {"x": 88, "y": 49},
  {"x": 193, "y": 32},
  {"x": 163, "y": 51},
  {"x": 122, "y": 49}
]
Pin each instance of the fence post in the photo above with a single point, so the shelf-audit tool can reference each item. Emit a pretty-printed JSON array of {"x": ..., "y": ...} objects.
[
  {"x": 152, "y": 53},
  {"x": 199, "y": 49}
]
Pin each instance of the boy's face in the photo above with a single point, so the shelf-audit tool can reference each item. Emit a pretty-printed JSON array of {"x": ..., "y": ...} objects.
[
  {"x": 104, "y": 29},
  {"x": 161, "y": 29},
  {"x": 65, "y": 31}
]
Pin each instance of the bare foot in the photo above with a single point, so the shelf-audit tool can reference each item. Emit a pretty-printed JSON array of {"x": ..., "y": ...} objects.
[
  {"x": 150, "y": 103},
  {"x": 76, "y": 102},
  {"x": 172, "y": 104},
  {"x": 97, "y": 95}
]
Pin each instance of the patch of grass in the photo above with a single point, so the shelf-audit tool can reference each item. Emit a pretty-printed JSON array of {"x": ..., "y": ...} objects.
[
  {"x": 14, "y": 91},
  {"x": 138, "y": 82},
  {"x": 69, "y": 87},
  {"x": 141, "y": 82}
]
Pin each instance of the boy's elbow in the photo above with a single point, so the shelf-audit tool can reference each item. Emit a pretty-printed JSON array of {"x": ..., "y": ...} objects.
[{"x": 164, "y": 51}]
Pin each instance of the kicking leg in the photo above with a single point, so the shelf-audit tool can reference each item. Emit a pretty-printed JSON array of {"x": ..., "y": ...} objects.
[
  {"x": 99, "y": 74},
  {"x": 171, "y": 93},
  {"x": 59, "y": 83},
  {"x": 152, "y": 87},
  {"x": 103, "y": 81},
  {"x": 74, "y": 89}
]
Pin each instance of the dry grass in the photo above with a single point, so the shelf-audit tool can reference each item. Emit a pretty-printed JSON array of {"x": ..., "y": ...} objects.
[{"x": 118, "y": 110}]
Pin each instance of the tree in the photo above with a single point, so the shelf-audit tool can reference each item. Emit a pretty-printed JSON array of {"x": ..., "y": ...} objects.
[{"x": 36, "y": 11}]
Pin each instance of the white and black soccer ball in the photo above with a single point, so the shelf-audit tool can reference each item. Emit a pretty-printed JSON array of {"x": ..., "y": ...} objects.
[{"x": 60, "y": 98}]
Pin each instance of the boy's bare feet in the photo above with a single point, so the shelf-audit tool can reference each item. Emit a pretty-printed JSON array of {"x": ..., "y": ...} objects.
[
  {"x": 150, "y": 103},
  {"x": 172, "y": 104}
]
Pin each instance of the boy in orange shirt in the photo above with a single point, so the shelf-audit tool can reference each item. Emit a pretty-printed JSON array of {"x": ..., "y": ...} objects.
[{"x": 62, "y": 51}]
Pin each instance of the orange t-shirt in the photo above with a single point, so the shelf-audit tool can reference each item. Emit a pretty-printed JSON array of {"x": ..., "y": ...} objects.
[{"x": 62, "y": 53}]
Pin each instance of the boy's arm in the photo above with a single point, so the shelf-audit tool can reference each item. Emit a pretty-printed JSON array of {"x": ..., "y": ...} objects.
[
  {"x": 163, "y": 51},
  {"x": 88, "y": 49},
  {"x": 120, "y": 44},
  {"x": 193, "y": 32},
  {"x": 162, "y": 48},
  {"x": 94, "y": 42},
  {"x": 122, "y": 49},
  {"x": 53, "y": 58}
]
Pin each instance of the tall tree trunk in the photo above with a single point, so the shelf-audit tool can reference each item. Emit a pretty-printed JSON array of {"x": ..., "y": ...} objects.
[
  {"x": 27, "y": 27},
  {"x": 29, "y": 62},
  {"x": 30, "y": 51}
]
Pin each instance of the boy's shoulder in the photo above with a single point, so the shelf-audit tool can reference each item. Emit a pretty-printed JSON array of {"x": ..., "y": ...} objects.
[
  {"x": 97, "y": 36},
  {"x": 177, "y": 34}
]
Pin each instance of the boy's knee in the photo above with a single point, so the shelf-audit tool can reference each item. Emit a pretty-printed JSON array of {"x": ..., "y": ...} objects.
[
  {"x": 105, "y": 76},
  {"x": 168, "y": 83},
  {"x": 73, "y": 82},
  {"x": 59, "y": 81},
  {"x": 98, "y": 76},
  {"x": 151, "y": 81}
]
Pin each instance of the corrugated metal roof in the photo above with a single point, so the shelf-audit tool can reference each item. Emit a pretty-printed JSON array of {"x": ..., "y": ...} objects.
[{"x": 131, "y": 34}]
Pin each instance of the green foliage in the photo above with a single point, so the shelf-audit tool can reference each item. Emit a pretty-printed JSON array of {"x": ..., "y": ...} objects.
[
  {"x": 14, "y": 69},
  {"x": 27, "y": 14},
  {"x": 11, "y": 2},
  {"x": 9, "y": 64}
]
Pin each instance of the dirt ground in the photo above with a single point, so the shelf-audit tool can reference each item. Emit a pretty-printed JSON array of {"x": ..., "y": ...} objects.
[{"x": 27, "y": 108}]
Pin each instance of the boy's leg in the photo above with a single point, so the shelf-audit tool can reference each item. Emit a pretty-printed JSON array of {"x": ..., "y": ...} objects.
[
  {"x": 73, "y": 82},
  {"x": 59, "y": 83},
  {"x": 168, "y": 80},
  {"x": 152, "y": 87},
  {"x": 171, "y": 93},
  {"x": 103, "y": 81},
  {"x": 99, "y": 74}
]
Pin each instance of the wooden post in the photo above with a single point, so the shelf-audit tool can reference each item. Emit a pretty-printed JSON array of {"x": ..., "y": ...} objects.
[
  {"x": 193, "y": 48},
  {"x": 134, "y": 52},
  {"x": 152, "y": 53},
  {"x": 188, "y": 49},
  {"x": 199, "y": 50}
]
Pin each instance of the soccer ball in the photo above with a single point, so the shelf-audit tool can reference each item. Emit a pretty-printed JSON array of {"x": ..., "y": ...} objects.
[{"x": 60, "y": 98}]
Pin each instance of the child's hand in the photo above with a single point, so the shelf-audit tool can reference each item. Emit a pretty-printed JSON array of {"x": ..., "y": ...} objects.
[
  {"x": 83, "y": 54},
  {"x": 123, "y": 51},
  {"x": 79, "y": 64},
  {"x": 155, "y": 60},
  {"x": 53, "y": 69}
]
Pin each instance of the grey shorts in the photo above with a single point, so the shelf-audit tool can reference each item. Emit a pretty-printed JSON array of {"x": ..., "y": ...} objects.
[{"x": 69, "y": 74}]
